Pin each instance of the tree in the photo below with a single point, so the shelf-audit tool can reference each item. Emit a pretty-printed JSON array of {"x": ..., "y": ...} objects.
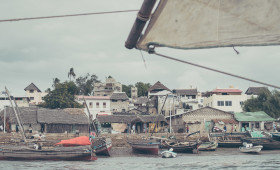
[
  {"x": 142, "y": 88},
  {"x": 62, "y": 96},
  {"x": 71, "y": 73},
  {"x": 55, "y": 82},
  {"x": 85, "y": 84},
  {"x": 267, "y": 101},
  {"x": 127, "y": 89}
]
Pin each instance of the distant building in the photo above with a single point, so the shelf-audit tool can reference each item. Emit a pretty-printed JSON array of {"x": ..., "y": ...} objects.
[
  {"x": 119, "y": 102},
  {"x": 97, "y": 105},
  {"x": 226, "y": 99},
  {"x": 157, "y": 87},
  {"x": 34, "y": 94},
  {"x": 134, "y": 92},
  {"x": 21, "y": 101},
  {"x": 253, "y": 92},
  {"x": 190, "y": 98},
  {"x": 108, "y": 88}
]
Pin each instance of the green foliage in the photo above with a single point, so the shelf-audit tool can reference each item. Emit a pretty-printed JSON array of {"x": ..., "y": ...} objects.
[
  {"x": 62, "y": 96},
  {"x": 266, "y": 101},
  {"x": 71, "y": 73},
  {"x": 142, "y": 88},
  {"x": 85, "y": 84},
  {"x": 127, "y": 89}
]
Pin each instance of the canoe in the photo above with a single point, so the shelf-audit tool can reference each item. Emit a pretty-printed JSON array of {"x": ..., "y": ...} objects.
[
  {"x": 182, "y": 147},
  {"x": 145, "y": 146},
  {"x": 56, "y": 153}
]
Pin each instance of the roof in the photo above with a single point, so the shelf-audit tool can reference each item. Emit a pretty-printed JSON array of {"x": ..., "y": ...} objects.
[
  {"x": 253, "y": 116},
  {"x": 189, "y": 92},
  {"x": 141, "y": 100},
  {"x": 32, "y": 86},
  {"x": 158, "y": 86},
  {"x": 119, "y": 96},
  {"x": 62, "y": 116},
  {"x": 28, "y": 115},
  {"x": 130, "y": 118},
  {"x": 254, "y": 90},
  {"x": 93, "y": 97},
  {"x": 230, "y": 90},
  {"x": 226, "y": 121}
]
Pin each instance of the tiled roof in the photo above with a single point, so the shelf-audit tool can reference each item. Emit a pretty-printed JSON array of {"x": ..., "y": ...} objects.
[
  {"x": 93, "y": 97},
  {"x": 253, "y": 116},
  {"x": 32, "y": 86},
  {"x": 158, "y": 86},
  {"x": 254, "y": 90},
  {"x": 119, "y": 96},
  {"x": 227, "y": 91},
  {"x": 185, "y": 91}
]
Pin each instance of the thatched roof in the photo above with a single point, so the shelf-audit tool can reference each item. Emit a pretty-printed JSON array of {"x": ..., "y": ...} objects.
[
  {"x": 32, "y": 86},
  {"x": 158, "y": 87},
  {"x": 62, "y": 116},
  {"x": 119, "y": 96},
  {"x": 131, "y": 118},
  {"x": 188, "y": 92},
  {"x": 28, "y": 115}
]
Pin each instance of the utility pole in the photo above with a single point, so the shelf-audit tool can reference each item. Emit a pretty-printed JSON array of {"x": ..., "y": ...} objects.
[{"x": 89, "y": 117}]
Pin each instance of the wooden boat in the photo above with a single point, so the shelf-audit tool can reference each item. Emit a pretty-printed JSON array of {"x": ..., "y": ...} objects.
[
  {"x": 208, "y": 146},
  {"x": 249, "y": 148},
  {"x": 145, "y": 146},
  {"x": 182, "y": 147},
  {"x": 55, "y": 153},
  {"x": 168, "y": 154},
  {"x": 228, "y": 140},
  {"x": 102, "y": 146},
  {"x": 276, "y": 136},
  {"x": 268, "y": 143}
]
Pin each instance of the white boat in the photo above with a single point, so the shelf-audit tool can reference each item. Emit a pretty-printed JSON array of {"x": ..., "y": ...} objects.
[
  {"x": 168, "y": 154},
  {"x": 249, "y": 148}
]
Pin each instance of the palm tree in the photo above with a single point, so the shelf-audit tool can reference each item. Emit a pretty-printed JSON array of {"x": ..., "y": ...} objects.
[
  {"x": 71, "y": 73},
  {"x": 55, "y": 82}
]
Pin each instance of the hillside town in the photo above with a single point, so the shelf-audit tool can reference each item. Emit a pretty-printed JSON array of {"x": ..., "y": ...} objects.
[{"x": 177, "y": 111}]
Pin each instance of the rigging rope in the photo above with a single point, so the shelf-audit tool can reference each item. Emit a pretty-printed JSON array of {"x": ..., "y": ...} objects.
[
  {"x": 70, "y": 15},
  {"x": 215, "y": 70}
]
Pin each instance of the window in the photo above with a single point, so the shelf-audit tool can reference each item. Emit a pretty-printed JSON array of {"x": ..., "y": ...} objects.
[
  {"x": 114, "y": 100},
  {"x": 90, "y": 105},
  {"x": 97, "y": 104},
  {"x": 201, "y": 100},
  {"x": 31, "y": 91},
  {"x": 257, "y": 125},
  {"x": 123, "y": 110},
  {"x": 228, "y": 103},
  {"x": 31, "y": 98},
  {"x": 241, "y": 103},
  {"x": 104, "y": 104},
  {"x": 220, "y": 103}
]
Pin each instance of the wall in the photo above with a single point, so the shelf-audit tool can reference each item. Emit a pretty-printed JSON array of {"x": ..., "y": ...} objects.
[{"x": 119, "y": 105}]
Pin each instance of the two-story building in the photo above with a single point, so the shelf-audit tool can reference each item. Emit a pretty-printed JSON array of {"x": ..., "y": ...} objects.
[
  {"x": 34, "y": 94},
  {"x": 97, "y": 105},
  {"x": 119, "y": 102},
  {"x": 226, "y": 99}
]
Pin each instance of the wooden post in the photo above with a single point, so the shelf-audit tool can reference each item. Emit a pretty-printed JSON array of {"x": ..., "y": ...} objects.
[{"x": 89, "y": 117}]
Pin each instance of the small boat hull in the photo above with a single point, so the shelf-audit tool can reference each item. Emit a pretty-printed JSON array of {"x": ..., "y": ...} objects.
[
  {"x": 208, "y": 146},
  {"x": 253, "y": 149},
  {"x": 168, "y": 154},
  {"x": 102, "y": 146}
]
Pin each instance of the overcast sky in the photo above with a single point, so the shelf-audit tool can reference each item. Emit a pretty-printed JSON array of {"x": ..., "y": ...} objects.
[{"x": 39, "y": 50}]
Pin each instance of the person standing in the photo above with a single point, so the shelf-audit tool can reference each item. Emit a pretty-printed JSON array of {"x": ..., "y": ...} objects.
[
  {"x": 231, "y": 128},
  {"x": 225, "y": 128},
  {"x": 235, "y": 128},
  {"x": 188, "y": 129},
  {"x": 133, "y": 128}
]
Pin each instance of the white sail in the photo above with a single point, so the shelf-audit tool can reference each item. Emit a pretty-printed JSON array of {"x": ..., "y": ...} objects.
[{"x": 190, "y": 24}]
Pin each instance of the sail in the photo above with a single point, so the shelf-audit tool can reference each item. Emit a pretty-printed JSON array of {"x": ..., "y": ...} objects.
[{"x": 192, "y": 24}]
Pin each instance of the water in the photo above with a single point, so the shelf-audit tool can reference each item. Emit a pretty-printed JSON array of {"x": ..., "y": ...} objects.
[{"x": 221, "y": 159}]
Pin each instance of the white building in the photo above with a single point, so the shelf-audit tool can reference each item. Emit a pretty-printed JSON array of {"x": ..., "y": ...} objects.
[
  {"x": 97, "y": 105},
  {"x": 34, "y": 94},
  {"x": 190, "y": 99},
  {"x": 21, "y": 101},
  {"x": 226, "y": 99}
]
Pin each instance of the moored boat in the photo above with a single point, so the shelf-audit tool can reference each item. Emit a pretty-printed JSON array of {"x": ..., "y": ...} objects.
[
  {"x": 208, "y": 146},
  {"x": 145, "y": 146},
  {"x": 249, "y": 148},
  {"x": 102, "y": 146},
  {"x": 182, "y": 147},
  {"x": 168, "y": 154}
]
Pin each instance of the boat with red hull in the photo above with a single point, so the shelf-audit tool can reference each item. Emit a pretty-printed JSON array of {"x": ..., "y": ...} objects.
[{"x": 102, "y": 146}]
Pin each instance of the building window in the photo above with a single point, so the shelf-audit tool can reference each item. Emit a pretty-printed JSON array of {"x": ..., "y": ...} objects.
[
  {"x": 31, "y": 98},
  {"x": 31, "y": 91},
  {"x": 114, "y": 100},
  {"x": 90, "y": 105},
  {"x": 104, "y": 104},
  {"x": 228, "y": 103},
  {"x": 257, "y": 125},
  {"x": 97, "y": 104},
  {"x": 241, "y": 103},
  {"x": 201, "y": 100},
  {"x": 123, "y": 110},
  {"x": 220, "y": 103}
]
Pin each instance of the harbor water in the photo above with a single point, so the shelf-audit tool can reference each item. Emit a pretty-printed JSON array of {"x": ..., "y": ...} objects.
[{"x": 223, "y": 158}]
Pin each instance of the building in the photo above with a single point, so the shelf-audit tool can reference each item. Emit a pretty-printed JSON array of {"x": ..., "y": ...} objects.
[
  {"x": 108, "y": 88},
  {"x": 157, "y": 87},
  {"x": 96, "y": 105},
  {"x": 34, "y": 94},
  {"x": 119, "y": 102},
  {"x": 203, "y": 120},
  {"x": 253, "y": 92},
  {"x": 20, "y": 101},
  {"x": 47, "y": 120},
  {"x": 134, "y": 92},
  {"x": 226, "y": 99},
  {"x": 253, "y": 120},
  {"x": 190, "y": 98}
]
